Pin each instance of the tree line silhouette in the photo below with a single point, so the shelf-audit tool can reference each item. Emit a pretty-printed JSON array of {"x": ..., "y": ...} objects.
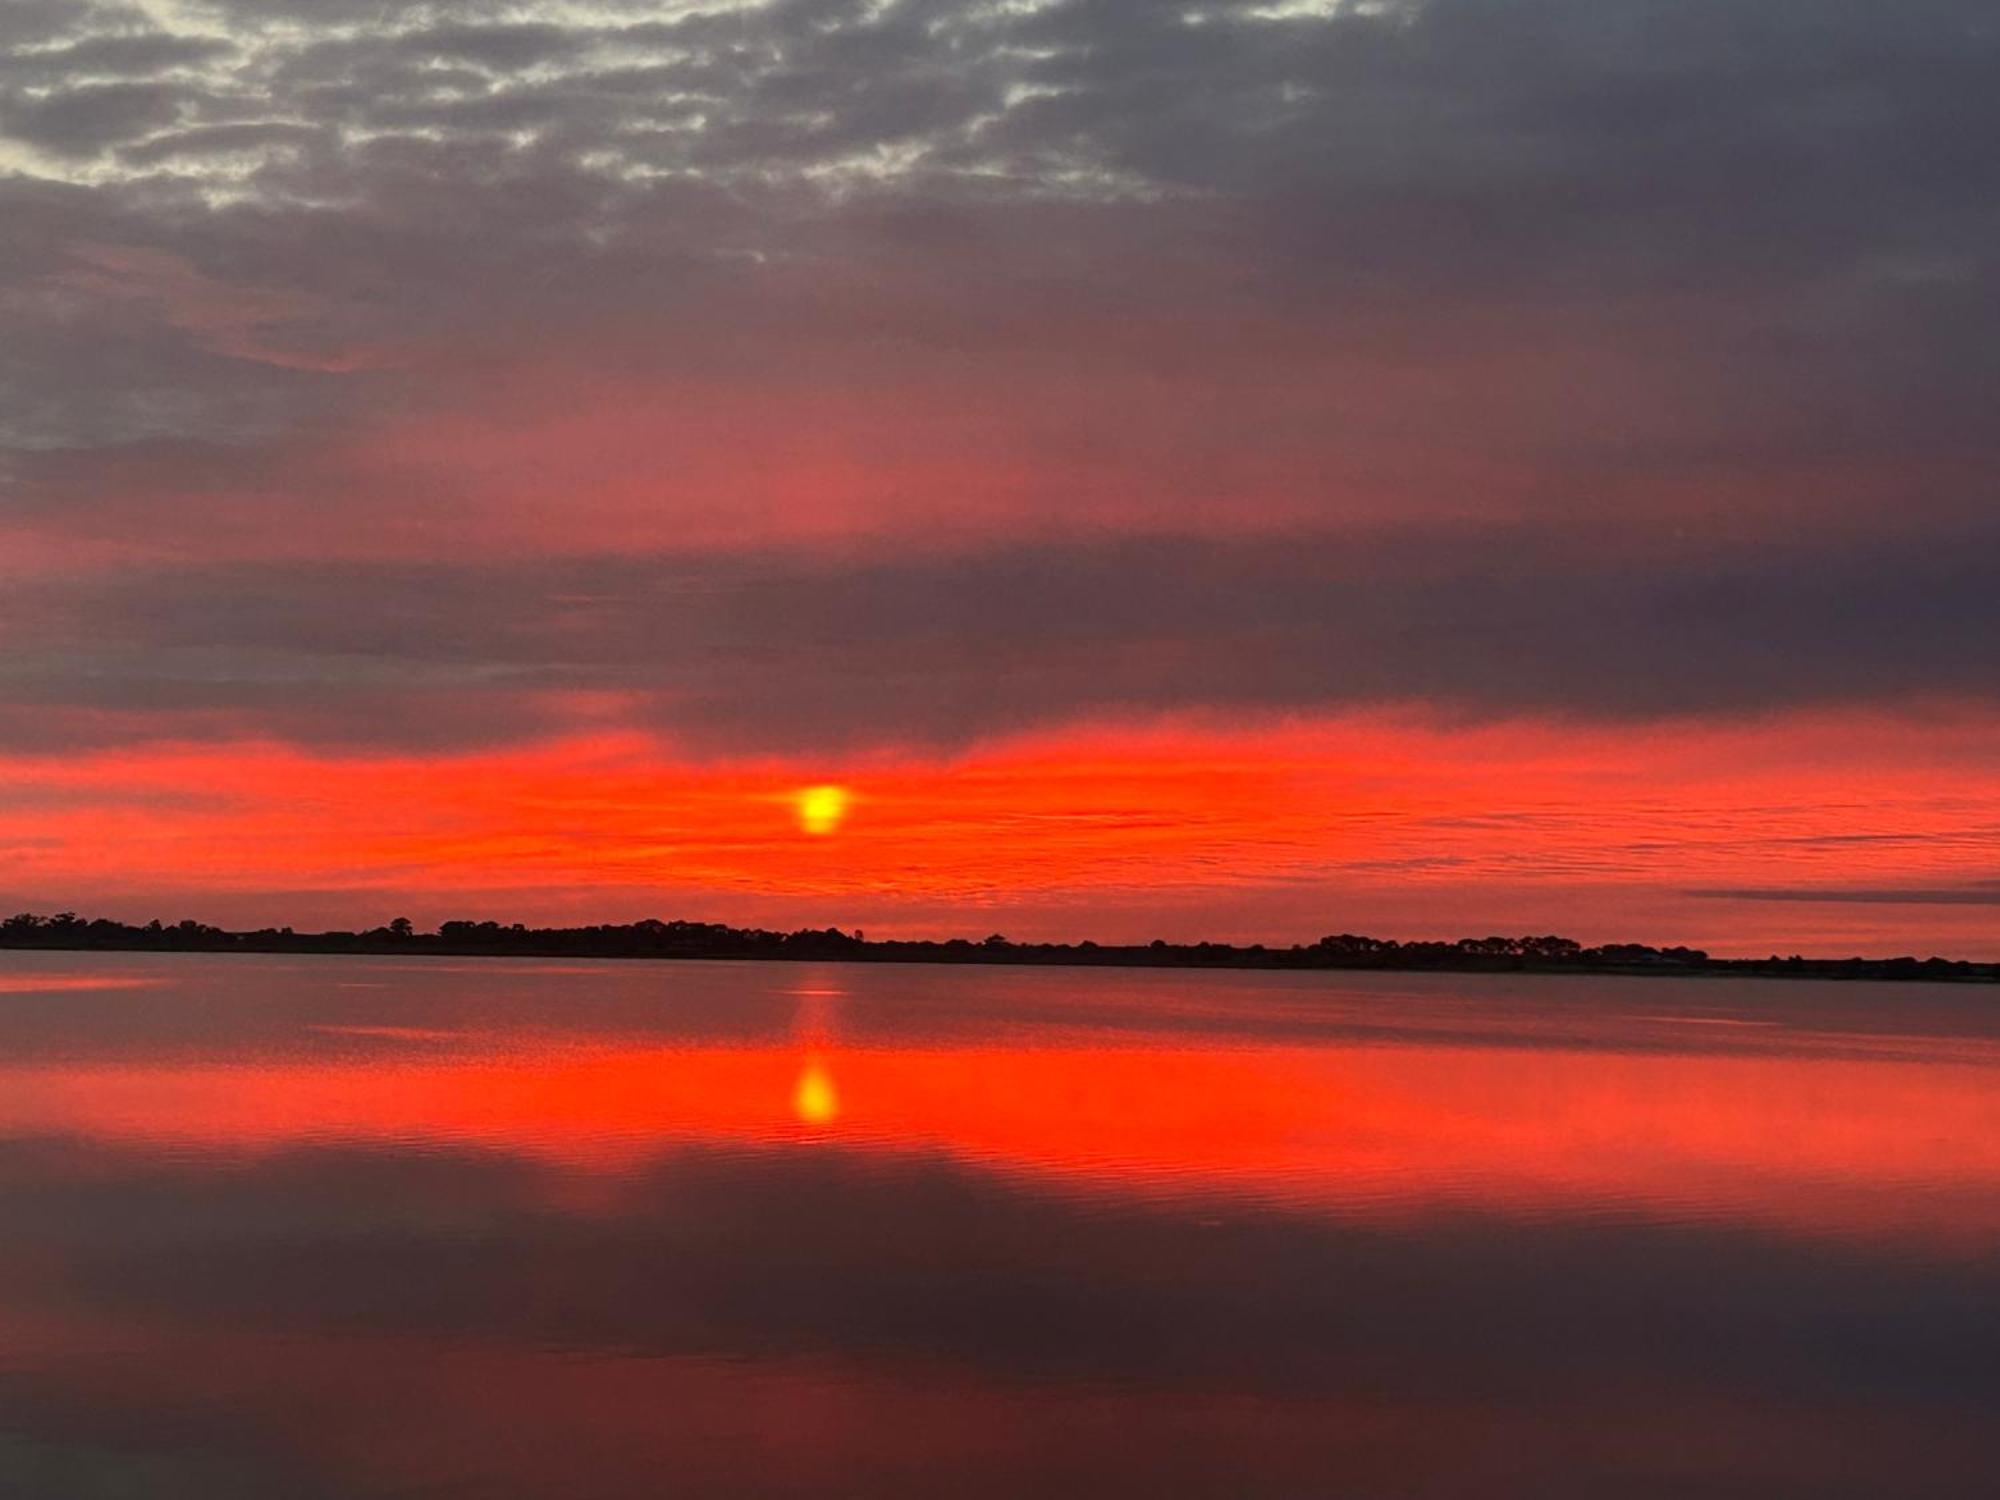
[{"x": 654, "y": 938}]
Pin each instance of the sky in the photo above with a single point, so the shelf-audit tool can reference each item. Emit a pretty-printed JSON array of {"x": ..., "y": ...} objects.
[{"x": 1238, "y": 470}]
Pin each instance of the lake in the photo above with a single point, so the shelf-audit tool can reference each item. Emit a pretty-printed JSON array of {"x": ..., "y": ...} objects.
[{"x": 356, "y": 1227}]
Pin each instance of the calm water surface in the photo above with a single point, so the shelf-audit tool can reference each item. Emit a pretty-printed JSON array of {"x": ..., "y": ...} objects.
[{"x": 361, "y": 1227}]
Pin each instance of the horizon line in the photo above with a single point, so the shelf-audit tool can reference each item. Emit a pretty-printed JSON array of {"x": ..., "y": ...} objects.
[{"x": 26, "y": 931}]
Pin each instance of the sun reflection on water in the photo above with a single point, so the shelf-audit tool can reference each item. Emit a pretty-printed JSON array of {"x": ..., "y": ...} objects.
[{"x": 815, "y": 1100}]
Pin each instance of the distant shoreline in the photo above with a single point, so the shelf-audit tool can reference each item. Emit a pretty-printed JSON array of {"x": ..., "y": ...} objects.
[{"x": 654, "y": 939}]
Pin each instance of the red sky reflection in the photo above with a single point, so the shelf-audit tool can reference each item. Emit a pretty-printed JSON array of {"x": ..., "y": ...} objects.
[
  {"x": 1871, "y": 1147},
  {"x": 411, "y": 1226}
]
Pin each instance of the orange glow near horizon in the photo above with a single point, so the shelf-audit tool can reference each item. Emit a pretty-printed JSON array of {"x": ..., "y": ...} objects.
[{"x": 1413, "y": 828}]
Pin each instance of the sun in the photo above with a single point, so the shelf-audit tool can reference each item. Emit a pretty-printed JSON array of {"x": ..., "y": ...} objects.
[{"x": 821, "y": 808}]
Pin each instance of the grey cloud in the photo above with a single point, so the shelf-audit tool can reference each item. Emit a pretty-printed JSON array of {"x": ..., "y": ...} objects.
[
  {"x": 114, "y": 55},
  {"x": 1558, "y": 257},
  {"x": 40, "y": 23},
  {"x": 254, "y": 14},
  {"x": 82, "y": 121},
  {"x": 763, "y": 651},
  {"x": 1973, "y": 893},
  {"x": 101, "y": 349},
  {"x": 500, "y": 46},
  {"x": 1363, "y": 158},
  {"x": 164, "y": 385},
  {"x": 1550, "y": 125},
  {"x": 219, "y": 140}
]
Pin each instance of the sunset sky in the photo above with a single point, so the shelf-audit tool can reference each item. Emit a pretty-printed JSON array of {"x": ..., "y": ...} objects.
[{"x": 1103, "y": 468}]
